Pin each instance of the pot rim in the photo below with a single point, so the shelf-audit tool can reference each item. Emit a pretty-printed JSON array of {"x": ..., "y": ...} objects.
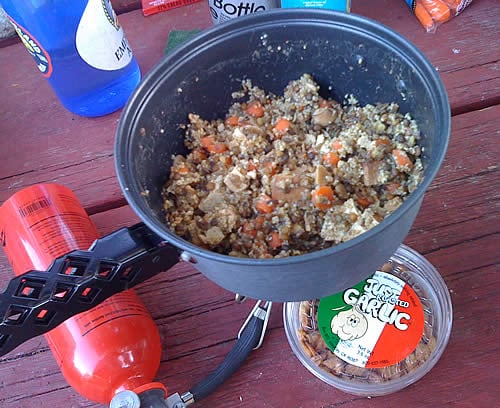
[{"x": 259, "y": 21}]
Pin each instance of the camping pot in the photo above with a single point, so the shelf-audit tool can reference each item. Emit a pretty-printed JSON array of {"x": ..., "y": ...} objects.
[{"x": 346, "y": 54}]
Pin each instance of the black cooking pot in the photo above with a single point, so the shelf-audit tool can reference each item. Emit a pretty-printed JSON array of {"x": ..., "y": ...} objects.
[{"x": 345, "y": 54}]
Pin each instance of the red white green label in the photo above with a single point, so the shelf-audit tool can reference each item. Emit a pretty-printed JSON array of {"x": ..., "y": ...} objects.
[{"x": 376, "y": 323}]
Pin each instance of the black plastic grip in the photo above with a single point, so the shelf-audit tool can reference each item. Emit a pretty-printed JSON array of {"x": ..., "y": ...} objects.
[
  {"x": 154, "y": 398},
  {"x": 248, "y": 340},
  {"x": 38, "y": 301}
]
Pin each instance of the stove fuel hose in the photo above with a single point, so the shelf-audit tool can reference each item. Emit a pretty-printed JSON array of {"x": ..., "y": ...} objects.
[{"x": 248, "y": 340}]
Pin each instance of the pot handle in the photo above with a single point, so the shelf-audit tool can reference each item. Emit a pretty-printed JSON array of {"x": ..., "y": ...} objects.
[
  {"x": 250, "y": 338},
  {"x": 38, "y": 301}
]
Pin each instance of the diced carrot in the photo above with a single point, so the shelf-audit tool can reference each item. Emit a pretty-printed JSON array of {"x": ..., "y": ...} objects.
[
  {"x": 183, "y": 168},
  {"x": 198, "y": 155},
  {"x": 337, "y": 144},
  {"x": 265, "y": 204},
  {"x": 437, "y": 9},
  {"x": 232, "y": 121},
  {"x": 402, "y": 158},
  {"x": 323, "y": 197},
  {"x": 255, "y": 109},
  {"x": 424, "y": 17},
  {"x": 363, "y": 202},
  {"x": 227, "y": 160},
  {"x": 249, "y": 229},
  {"x": 274, "y": 240},
  {"x": 251, "y": 166},
  {"x": 259, "y": 222},
  {"x": 209, "y": 143},
  {"x": 382, "y": 142},
  {"x": 331, "y": 158},
  {"x": 281, "y": 127},
  {"x": 220, "y": 148}
]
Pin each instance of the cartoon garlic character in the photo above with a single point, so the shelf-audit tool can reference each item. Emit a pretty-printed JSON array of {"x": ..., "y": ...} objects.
[{"x": 350, "y": 324}]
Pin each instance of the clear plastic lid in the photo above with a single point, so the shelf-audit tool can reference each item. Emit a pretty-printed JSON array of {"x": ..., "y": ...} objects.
[{"x": 378, "y": 336}]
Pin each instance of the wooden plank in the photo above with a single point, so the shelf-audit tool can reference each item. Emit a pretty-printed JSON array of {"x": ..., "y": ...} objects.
[
  {"x": 465, "y": 190},
  {"x": 446, "y": 220},
  {"x": 198, "y": 322},
  {"x": 5, "y": 42},
  {"x": 474, "y": 88},
  {"x": 84, "y": 162},
  {"x": 473, "y": 147},
  {"x": 464, "y": 195},
  {"x": 65, "y": 146},
  {"x": 273, "y": 377}
]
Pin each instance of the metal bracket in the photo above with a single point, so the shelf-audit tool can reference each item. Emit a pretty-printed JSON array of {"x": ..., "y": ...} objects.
[
  {"x": 179, "y": 401},
  {"x": 260, "y": 311},
  {"x": 38, "y": 301}
]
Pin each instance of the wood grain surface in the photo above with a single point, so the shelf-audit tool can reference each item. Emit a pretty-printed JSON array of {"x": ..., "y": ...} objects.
[{"x": 456, "y": 228}]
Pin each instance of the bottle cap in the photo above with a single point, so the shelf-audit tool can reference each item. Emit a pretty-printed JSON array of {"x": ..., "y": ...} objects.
[{"x": 125, "y": 399}]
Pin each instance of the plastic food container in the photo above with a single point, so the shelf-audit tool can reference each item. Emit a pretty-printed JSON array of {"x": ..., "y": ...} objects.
[{"x": 379, "y": 336}]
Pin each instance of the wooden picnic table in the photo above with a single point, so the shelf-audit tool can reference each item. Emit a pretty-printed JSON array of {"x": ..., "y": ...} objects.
[{"x": 456, "y": 229}]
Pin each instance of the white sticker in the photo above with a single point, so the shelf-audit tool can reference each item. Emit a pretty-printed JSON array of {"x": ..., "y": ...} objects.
[
  {"x": 374, "y": 324},
  {"x": 224, "y": 10},
  {"x": 100, "y": 39}
]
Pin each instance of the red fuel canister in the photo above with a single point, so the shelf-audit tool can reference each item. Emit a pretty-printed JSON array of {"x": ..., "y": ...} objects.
[{"x": 112, "y": 347}]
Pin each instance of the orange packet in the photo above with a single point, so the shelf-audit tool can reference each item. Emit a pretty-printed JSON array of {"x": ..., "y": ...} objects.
[
  {"x": 150, "y": 7},
  {"x": 424, "y": 17},
  {"x": 457, "y": 6},
  {"x": 438, "y": 10},
  {"x": 433, "y": 13}
]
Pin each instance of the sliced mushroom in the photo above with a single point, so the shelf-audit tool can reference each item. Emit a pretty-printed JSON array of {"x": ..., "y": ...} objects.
[
  {"x": 256, "y": 130},
  {"x": 321, "y": 175},
  {"x": 286, "y": 187},
  {"x": 323, "y": 116},
  {"x": 370, "y": 172}
]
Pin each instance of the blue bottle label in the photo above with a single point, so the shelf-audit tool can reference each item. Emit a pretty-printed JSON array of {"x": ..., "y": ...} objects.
[
  {"x": 411, "y": 4},
  {"x": 100, "y": 39},
  {"x": 41, "y": 57}
]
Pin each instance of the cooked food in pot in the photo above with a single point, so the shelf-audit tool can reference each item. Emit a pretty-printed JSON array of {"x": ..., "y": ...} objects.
[{"x": 286, "y": 175}]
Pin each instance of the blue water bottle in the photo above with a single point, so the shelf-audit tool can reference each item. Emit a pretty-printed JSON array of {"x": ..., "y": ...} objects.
[{"x": 81, "y": 49}]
